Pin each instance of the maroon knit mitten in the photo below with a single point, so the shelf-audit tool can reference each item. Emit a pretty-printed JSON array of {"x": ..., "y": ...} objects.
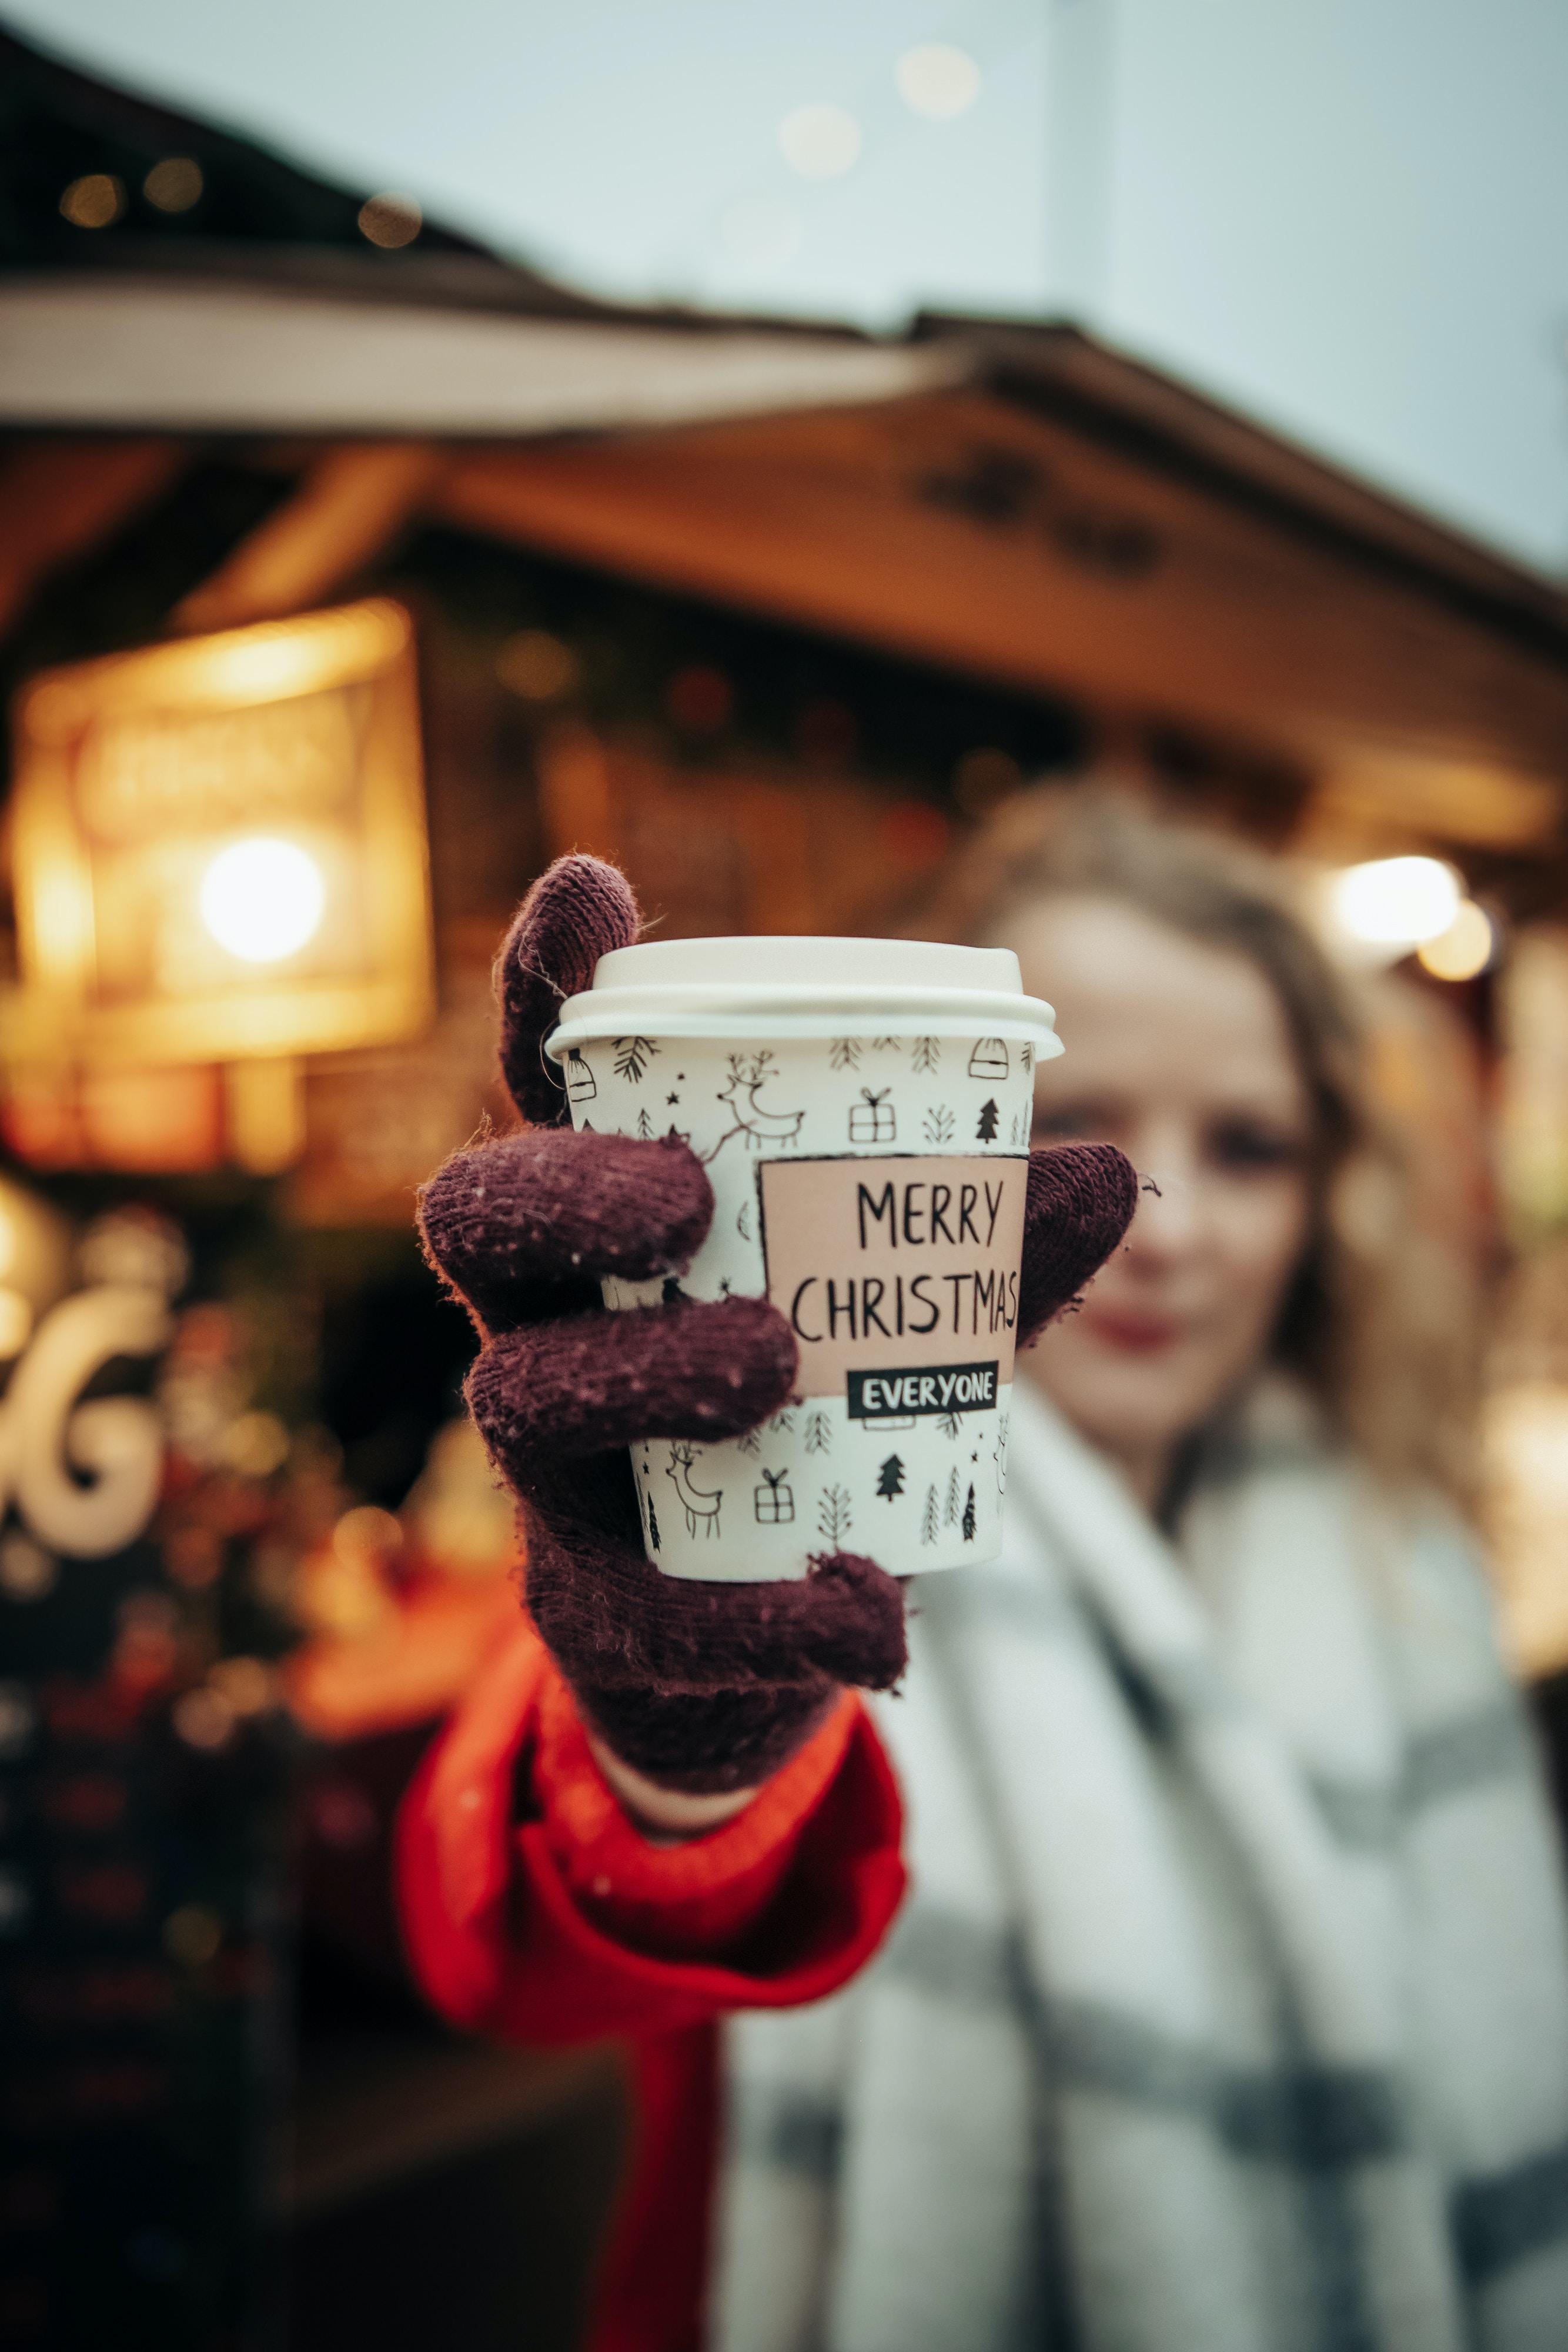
[{"x": 700, "y": 1686}]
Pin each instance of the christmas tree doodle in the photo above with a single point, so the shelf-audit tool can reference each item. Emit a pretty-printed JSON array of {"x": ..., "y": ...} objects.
[
  {"x": 939, "y": 1125},
  {"x": 930, "y": 1519},
  {"x": 644, "y": 1125},
  {"x": 652, "y": 1524},
  {"x": 833, "y": 1516},
  {"x": 632, "y": 1055},
  {"x": 954, "y": 1494},
  {"x": 968, "y": 1523},
  {"x": 924, "y": 1055},
  {"x": 890, "y": 1478},
  {"x": 986, "y": 1130},
  {"x": 844, "y": 1054},
  {"x": 819, "y": 1434}
]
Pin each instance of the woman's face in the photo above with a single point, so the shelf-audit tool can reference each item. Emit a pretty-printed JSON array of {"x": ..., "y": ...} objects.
[{"x": 1178, "y": 1053}]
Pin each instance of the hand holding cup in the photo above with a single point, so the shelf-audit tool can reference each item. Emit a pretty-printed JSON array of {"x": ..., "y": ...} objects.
[{"x": 697, "y": 1686}]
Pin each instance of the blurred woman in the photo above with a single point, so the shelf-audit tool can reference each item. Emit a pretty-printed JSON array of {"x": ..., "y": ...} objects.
[{"x": 1228, "y": 2010}]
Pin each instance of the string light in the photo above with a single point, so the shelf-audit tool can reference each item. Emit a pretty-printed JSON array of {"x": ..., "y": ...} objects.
[
  {"x": 95, "y": 201},
  {"x": 391, "y": 220},
  {"x": 937, "y": 80},
  {"x": 821, "y": 143},
  {"x": 174, "y": 185}
]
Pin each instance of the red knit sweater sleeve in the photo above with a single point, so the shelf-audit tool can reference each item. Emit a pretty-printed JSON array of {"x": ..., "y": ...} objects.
[{"x": 533, "y": 1910}]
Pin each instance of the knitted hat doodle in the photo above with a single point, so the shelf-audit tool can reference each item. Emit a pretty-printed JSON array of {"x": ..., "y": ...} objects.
[{"x": 861, "y": 1129}]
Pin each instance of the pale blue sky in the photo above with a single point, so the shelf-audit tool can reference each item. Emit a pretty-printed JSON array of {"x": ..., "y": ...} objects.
[{"x": 1348, "y": 217}]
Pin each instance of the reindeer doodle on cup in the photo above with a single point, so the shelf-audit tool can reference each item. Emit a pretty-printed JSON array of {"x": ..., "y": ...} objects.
[
  {"x": 699, "y": 1503},
  {"x": 747, "y": 1076}
]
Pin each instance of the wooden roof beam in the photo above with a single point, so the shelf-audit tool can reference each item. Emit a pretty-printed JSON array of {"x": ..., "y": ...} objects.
[{"x": 351, "y": 504}]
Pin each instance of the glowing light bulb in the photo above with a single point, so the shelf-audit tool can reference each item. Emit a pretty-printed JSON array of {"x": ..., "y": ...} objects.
[
  {"x": 1465, "y": 949},
  {"x": 937, "y": 80},
  {"x": 1395, "y": 902},
  {"x": 262, "y": 900},
  {"x": 821, "y": 143}
]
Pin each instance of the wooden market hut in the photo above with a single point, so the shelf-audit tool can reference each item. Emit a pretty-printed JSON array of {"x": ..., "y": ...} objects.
[{"x": 1014, "y": 507}]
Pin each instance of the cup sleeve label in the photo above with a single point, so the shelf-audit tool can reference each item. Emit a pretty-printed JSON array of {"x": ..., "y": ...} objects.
[
  {"x": 900, "y": 1395},
  {"x": 889, "y": 1266}
]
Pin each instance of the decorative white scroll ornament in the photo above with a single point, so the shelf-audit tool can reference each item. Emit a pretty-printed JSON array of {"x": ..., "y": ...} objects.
[{"x": 85, "y": 1477}]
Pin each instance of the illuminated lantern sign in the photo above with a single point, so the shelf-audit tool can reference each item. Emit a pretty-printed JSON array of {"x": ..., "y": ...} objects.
[{"x": 220, "y": 845}]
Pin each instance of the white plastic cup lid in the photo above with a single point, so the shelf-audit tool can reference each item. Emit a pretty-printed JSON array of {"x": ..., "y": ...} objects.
[{"x": 804, "y": 986}]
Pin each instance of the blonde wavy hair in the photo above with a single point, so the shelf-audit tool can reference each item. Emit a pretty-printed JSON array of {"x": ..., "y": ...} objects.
[{"x": 1380, "y": 1320}]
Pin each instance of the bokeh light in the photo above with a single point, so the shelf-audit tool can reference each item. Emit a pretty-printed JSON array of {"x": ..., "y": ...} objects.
[
  {"x": 245, "y": 1684},
  {"x": 937, "y": 80},
  {"x": 203, "y": 1718},
  {"x": 95, "y": 201},
  {"x": 28, "y": 1572},
  {"x": 192, "y": 1933},
  {"x": 262, "y": 900},
  {"x": 1465, "y": 949},
  {"x": 174, "y": 185},
  {"x": 255, "y": 1445},
  {"x": 391, "y": 220},
  {"x": 538, "y": 667},
  {"x": 1395, "y": 902},
  {"x": 821, "y": 143},
  {"x": 367, "y": 1533}
]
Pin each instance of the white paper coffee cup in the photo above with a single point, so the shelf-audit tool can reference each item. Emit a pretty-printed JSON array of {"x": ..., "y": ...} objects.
[{"x": 862, "y": 1110}]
